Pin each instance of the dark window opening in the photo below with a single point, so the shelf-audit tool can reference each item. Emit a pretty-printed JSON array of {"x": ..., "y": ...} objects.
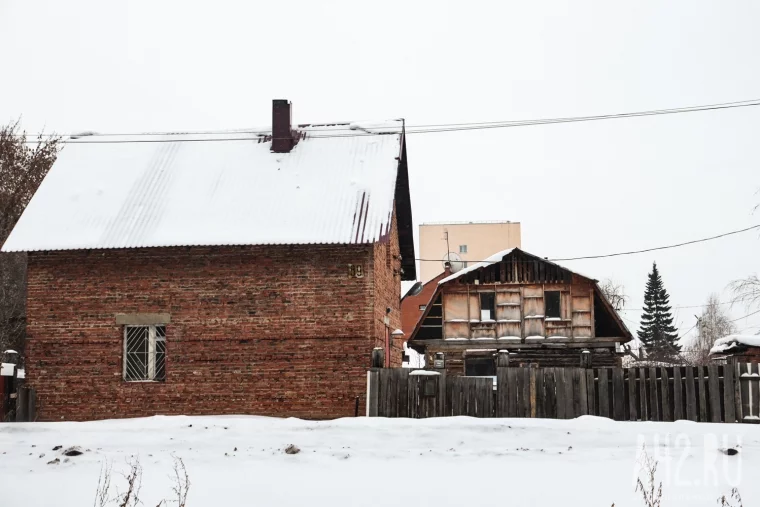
[
  {"x": 487, "y": 305},
  {"x": 479, "y": 367},
  {"x": 552, "y": 304},
  {"x": 404, "y": 357}
]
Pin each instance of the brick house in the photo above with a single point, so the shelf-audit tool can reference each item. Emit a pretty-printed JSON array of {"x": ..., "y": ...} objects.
[{"x": 250, "y": 274}]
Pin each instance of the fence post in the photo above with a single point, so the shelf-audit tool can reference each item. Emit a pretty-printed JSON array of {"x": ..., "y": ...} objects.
[
  {"x": 586, "y": 359},
  {"x": 378, "y": 358},
  {"x": 31, "y": 412},
  {"x": 373, "y": 387},
  {"x": 737, "y": 390},
  {"x": 22, "y": 404}
]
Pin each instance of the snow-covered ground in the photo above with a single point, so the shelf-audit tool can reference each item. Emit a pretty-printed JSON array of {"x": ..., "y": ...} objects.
[{"x": 380, "y": 462}]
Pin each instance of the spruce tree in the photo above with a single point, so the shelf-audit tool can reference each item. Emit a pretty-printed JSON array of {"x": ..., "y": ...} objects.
[{"x": 657, "y": 333}]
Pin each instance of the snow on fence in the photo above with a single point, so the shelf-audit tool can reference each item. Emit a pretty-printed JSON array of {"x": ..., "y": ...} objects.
[{"x": 714, "y": 393}]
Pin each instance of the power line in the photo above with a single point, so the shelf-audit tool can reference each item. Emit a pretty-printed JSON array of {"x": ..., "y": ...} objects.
[
  {"x": 412, "y": 129},
  {"x": 721, "y": 303},
  {"x": 632, "y": 252},
  {"x": 660, "y": 247},
  {"x": 745, "y": 316}
]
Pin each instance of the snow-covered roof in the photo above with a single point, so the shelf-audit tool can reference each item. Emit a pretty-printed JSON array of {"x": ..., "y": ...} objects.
[
  {"x": 333, "y": 187},
  {"x": 497, "y": 257},
  {"x": 727, "y": 343}
]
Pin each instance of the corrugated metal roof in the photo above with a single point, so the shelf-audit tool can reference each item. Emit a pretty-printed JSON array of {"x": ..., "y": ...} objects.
[{"x": 335, "y": 189}]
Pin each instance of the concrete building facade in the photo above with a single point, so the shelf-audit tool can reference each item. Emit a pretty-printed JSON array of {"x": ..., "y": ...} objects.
[{"x": 470, "y": 241}]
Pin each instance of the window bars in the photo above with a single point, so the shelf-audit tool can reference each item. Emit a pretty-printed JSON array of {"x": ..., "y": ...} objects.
[{"x": 144, "y": 353}]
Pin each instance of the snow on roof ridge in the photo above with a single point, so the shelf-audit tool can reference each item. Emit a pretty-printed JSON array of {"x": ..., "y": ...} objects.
[
  {"x": 734, "y": 340},
  {"x": 493, "y": 259}
]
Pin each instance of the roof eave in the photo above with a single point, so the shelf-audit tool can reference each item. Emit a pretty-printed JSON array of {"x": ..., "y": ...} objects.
[{"x": 404, "y": 222}]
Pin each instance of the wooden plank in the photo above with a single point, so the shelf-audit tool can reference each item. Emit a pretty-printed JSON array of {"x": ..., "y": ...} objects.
[
  {"x": 533, "y": 393},
  {"x": 518, "y": 392},
  {"x": 525, "y": 392},
  {"x": 442, "y": 400},
  {"x": 412, "y": 393},
  {"x": 713, "y": 382},
  {"x": 618, "y": 395},
  {"x": 591, "y": 392},
  {"x": 540, "y": 393},
  {"x": 575, "y": 374},
  {"x": 754, "y": 392},
  {"x": 632, "y": 412},
  {"x": 667, "y": 409},
  {"x": 569, "y": 405},
  {"x": 401, "y": 392},
  {"x": 501, "y": 392},
  {"x": 604, "y": 399},
  {"x": 372, "y": 392},
  {"x": 654, "y": 401},
  {"x": 22, "y": 404},
  {"x": 691, "y": 397},
  {"x": 559, "y": 379},
  {"x": 702, "y": 394},
  {"x": 512, "y": 392},
  {"x": 550, "y": 394},
  {"x": 582, "y": 392},
  {"x": 391, "y": 393},
  {"x": 744, "y": 382},
  {"x": 737, "y": 392},
  {"x": 729, "y": 410},
  {"x": 678, "y": 412},
  {"x": 487, "y": 395},
  {"x": 32, "y": 412},
  {"x": 470, "y": 396},
  {"x": 643, "y": 405}
]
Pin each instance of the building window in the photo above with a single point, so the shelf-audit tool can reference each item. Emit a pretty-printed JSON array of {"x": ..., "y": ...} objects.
[
  {"x": 479, "y": 367},
  {"x": 144, "y": 353},
  {"x": 462, "y": 248},
  {"x": 422, "y": 308},
  {"x": 552, "y": 304},
  {"x": 487, "y": 306}
]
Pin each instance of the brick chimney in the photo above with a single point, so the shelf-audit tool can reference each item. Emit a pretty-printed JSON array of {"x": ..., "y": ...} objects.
[
  {"x": 282, "y": 137},
  {"x": 447, "y": 268}
]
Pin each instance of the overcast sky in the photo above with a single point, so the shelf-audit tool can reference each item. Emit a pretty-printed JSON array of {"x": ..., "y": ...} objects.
[{"x": 578, "y": 189}]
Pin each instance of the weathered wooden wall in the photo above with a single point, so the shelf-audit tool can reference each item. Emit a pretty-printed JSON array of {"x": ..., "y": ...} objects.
[
  {"x": 715, "y": 393},
  {"x": 519, "y": 313}
]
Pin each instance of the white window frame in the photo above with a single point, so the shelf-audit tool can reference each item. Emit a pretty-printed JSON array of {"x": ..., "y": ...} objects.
[{"x": 153, "y": 337}]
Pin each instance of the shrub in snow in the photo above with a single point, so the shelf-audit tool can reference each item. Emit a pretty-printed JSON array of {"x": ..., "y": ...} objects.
[{"x": 292, "y": 449}]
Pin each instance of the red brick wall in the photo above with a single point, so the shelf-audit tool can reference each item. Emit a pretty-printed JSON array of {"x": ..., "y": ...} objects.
[
  {"x": 276, "y": 330},
  {"x": 387, "y": 293}
]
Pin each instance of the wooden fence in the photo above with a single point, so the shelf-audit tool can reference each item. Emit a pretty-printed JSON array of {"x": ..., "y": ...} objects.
[{"x": 715, "y": 393}]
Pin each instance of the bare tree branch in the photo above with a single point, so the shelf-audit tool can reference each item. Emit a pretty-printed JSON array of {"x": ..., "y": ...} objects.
[
  {"x": 22, "y": 168},
  {"x": 746, "y": 291},
  {"x": 615, "y": 293},
  {"x": 712, "y": 324}
]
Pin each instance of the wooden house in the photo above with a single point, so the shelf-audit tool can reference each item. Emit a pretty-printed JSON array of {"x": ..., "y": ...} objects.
[{"x": 542, "y": 313}]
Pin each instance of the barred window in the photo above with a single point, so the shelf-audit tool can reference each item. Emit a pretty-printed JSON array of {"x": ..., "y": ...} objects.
[{"x": 144, "y": 353}]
